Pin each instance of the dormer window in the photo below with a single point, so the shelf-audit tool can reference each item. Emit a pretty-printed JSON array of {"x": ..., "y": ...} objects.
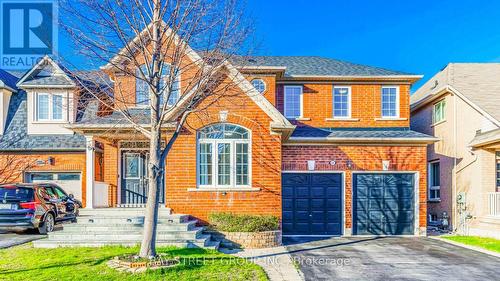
[
  {"x": 142, "y": 87},
  {"x": 49, "y": 107}
]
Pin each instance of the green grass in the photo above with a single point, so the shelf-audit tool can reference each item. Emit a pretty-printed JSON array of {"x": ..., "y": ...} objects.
[
  {"x": 28, "y": 263},
  {"x": 485, "y": 243}
]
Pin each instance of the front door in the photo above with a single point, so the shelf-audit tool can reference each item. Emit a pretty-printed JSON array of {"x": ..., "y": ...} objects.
[{"x": 134, "y": 189}]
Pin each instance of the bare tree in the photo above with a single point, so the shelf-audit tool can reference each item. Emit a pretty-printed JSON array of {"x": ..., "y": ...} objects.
[
  {"x": 153, "y": 41},
  {"x": 12, "y": 167}
]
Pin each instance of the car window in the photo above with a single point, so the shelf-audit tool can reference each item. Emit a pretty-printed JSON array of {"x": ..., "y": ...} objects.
[
  {"x": 48, "y": 193},
  {"x": 60, "y": 193},
  {"x": 12, "y": 193}
]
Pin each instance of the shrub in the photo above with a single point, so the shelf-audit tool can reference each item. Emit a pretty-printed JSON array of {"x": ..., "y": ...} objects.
[{"x": 229, "y": 222}]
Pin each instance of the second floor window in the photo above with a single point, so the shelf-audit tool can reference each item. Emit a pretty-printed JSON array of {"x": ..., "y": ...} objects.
[
  {"x": 438, "y": 112},
  {"x": 49, "y": 107},
  {"x": 142, "y": 87},
  {"x": 293, "y": 102},
  {"x": 390, "y": 102},
  {"x": 341, "y": 102}
]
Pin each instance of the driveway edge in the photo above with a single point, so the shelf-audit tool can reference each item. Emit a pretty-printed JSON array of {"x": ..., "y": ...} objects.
[{"x": 474, "y": 248}]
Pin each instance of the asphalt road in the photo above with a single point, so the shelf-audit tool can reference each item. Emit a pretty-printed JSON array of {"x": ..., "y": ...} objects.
[{"x": 394, "y": 258}]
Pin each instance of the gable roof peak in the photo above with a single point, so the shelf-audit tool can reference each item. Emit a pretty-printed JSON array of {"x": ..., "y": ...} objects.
[{"x": 46, "y": 73}]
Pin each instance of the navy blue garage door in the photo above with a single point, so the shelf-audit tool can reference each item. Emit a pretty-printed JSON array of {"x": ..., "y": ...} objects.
[
  {"x": 312, "y": 204},
  {"x": 383, "y": 204}
]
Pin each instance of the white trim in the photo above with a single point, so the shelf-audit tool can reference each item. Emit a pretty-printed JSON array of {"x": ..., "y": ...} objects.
[
  {"x": 349, "y": 103},
  {"x": 50, "y": 99},
  {"x": 397, "y": 102},
  {"x": 301, "y": 100},
  {"x": 361, "y": 76},
  {"x": 416, "y": 196},
  {"x": 90, "y": 171}
]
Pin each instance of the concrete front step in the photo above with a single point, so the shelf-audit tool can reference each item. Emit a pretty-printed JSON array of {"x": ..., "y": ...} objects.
[
  {"x": 203, "y": 242},
  {"x": 121, "y": 212},
  {"x": 125, "y": 236},
  {"x": 92, "y": 227},
  {"x": 124, "y": 219}
]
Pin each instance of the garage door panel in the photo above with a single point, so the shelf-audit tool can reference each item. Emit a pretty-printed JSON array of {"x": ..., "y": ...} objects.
[
  {"x": 302, "y": 216},
  {"x": 295, "y": 179},
  {"x": 287, "y": 204},
  {"x": 334, "y": 192},
  {"x": 287, "y": 192},
  {"x": 317, "y": 192},
  {"x": 302, "y": 192},
  {"x": 334, "y": 204},
  {"x": 325, "y": 180},
  {"x": 399, "y": 204},
  {"x": 302, "y": 205},
  {"x": 316, "y": 201},
  {"x": 318, "y": 204},
  {"x": 389, "y": 207}
]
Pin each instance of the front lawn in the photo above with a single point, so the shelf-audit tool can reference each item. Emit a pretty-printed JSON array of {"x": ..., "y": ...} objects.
[
  {"x": 485, "y": 243},
  {"x": 27, "y": 263}
]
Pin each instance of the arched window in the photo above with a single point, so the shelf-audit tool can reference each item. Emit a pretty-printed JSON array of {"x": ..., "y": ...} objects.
[
  {"x": 224, "y": 158},
  {"x": 142, "y": 88}
]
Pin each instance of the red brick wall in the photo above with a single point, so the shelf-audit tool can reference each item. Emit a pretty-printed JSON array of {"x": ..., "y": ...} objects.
[
  {"x": 270, "y": 81},
  {"x": 366, "y": 106},
  {"x": 266, "y": 164},
  {"x": 361, "y": 158}
]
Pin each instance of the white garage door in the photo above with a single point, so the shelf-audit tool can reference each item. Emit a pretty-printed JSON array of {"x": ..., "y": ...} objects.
[{"x": 71, "y": 182}]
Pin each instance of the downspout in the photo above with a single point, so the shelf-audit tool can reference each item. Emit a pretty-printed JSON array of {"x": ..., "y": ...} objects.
[{"x": 454, "y": 194}]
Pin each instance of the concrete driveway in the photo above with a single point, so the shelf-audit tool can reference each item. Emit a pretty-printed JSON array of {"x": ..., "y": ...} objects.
[{"x": 390, "y": 258}]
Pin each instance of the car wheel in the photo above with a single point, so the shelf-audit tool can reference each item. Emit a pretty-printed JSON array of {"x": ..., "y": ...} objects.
[{"x": 47, "y": 225}]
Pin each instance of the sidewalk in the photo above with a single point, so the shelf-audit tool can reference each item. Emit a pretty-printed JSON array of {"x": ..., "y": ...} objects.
[{"x": 276, "y": 262}]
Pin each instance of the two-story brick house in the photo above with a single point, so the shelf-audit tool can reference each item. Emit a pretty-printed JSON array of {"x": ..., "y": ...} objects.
[{"x": 323, "y": 144}]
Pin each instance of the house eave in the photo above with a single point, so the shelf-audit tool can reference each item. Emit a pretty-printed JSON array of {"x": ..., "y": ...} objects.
[
  {"x": 393, "y": 78},
  {"x": 363, "y": 140}
]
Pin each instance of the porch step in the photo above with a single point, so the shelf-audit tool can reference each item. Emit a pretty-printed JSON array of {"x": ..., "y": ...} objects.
[
  {"x": 125, "y": 235},
  {"x": 95, "y": 228},
  {"x": 204, "y": 242},
  {"x": 121, "y": 212},
  {"x": 92, "y": 227}
]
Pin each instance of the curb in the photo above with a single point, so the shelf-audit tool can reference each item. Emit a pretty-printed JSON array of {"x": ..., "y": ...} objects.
[{"x": 474, "y": 248}]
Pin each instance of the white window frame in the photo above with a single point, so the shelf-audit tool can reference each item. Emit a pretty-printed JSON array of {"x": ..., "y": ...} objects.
[
  {"x": 50, "y": 107},
  {"x": 301, "y": 101},
  {"x": 179, "y": 80},
  {"x": 443, "y": 106},
  {"x": 431, "y": 187},
  {"x": 215, "y": 166},
  {"x": 349, "y": 102},
  {"x": 397, "y": 102}
]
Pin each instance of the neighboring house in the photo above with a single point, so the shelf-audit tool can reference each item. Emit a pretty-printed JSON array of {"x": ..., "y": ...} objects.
[
  {"x": 460, "y": 106},
  {"x": 323, "y": 144}
]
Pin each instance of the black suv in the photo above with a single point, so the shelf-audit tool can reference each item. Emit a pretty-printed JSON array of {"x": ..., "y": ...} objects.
[{"x": 39, "y": 206}]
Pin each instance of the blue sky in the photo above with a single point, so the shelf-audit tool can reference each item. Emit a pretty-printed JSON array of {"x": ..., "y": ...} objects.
[{"x": 419, "y": 37}]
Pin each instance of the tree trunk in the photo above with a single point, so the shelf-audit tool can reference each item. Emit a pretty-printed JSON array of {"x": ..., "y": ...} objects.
[{"x": 155, "y": 165}]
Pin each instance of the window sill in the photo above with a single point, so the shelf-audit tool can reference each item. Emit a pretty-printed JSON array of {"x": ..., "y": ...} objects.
[
  {"x": 391, "y": 119},
  {"x": 50, "y": 122},
  {"x": 223, "y": 189},
  {"x": 342, "y": 119},
  {"x": 437, "y": 123},
  {"x": 301, "y": 119},
  {"x": 434, "y": 200}
]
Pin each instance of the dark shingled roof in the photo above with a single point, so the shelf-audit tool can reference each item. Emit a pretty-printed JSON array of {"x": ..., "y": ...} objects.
[
  {"x": 315, "y": 66},
  {"x": 16, "y": 133},
  {"x": 348, "y": 133},
  {"x": 139, "y": 115}
]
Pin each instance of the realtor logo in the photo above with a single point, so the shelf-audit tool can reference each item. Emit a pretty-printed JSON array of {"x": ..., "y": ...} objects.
[{"x": 29, "y": 31}]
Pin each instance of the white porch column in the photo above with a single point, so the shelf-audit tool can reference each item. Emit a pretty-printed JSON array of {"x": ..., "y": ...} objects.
[{"x": 90, "y": 159}]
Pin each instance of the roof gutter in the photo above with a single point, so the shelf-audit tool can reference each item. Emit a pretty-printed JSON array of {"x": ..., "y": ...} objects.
[{"x": 363, "y": 140}]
